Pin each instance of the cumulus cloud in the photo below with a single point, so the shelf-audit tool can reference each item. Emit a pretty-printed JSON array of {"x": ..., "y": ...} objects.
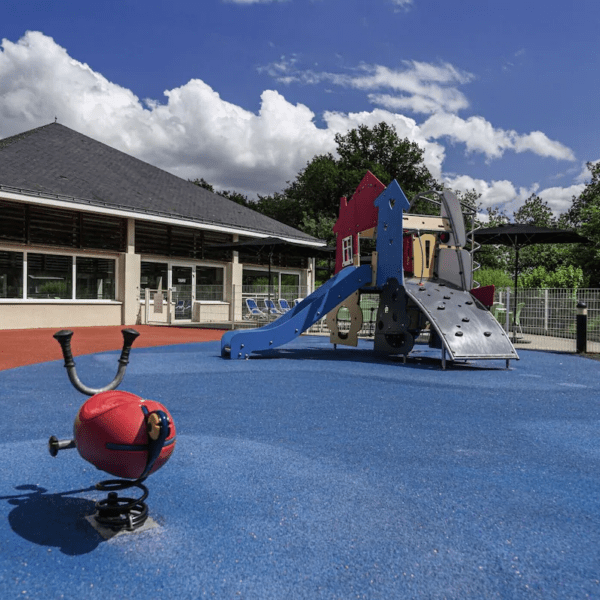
[
  {"x": 502, "y": 194},
  {"x": 560, "y": 199},
  {"x": 478, "y": 135},
  {"x": 430, "y": 89},
  {"x": 193, "y": 132}
]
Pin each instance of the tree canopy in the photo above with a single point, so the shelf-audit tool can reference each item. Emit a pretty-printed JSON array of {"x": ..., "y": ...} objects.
[{"x": 311, "y": 202}]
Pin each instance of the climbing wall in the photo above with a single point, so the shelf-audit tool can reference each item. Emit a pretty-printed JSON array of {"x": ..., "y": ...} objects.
[{"x": 467, "y": 329}]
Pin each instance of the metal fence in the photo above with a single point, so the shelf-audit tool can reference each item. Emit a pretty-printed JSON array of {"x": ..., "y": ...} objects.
[{"x": 546, "y": 317}]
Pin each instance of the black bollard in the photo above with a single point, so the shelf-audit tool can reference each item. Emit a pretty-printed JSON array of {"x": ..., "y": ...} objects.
[{"x": 581, "y": 327}]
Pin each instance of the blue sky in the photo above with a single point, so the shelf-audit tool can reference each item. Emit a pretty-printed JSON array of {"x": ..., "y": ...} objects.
[{"x": 503, "y": 97}]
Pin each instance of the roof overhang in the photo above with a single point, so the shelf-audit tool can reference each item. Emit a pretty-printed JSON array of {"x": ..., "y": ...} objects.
[{"x": 67, "y": 202}]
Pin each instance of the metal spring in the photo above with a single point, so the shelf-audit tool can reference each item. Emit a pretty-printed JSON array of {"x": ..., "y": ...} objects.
[{"x": 118, "y": 513}]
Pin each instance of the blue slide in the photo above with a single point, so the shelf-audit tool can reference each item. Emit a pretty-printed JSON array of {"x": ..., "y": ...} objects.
[{"x": 242, "y": 342}]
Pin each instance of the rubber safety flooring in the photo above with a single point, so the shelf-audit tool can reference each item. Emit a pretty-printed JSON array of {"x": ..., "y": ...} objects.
[{"x": 310, "y": 472}]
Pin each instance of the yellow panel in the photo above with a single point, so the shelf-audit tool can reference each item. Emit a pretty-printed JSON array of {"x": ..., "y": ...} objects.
[
  {"x": 423, "y": 255},
  {"x": 425, "y": 223}
]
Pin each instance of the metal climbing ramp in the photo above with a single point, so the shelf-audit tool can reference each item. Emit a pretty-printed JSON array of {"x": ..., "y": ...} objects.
[{"x": 465, "y": 327}]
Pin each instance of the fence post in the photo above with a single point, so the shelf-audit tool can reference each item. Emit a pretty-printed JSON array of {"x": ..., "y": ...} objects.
[
  {"x": 169, "y": 304},
  {"x": 147, "y": 304},
  {"x": 546, "y": 311},
  {"x": 581, "y": 327},
  {"x": 233, "y": 305},
  {"x": 507, "y": 311}
]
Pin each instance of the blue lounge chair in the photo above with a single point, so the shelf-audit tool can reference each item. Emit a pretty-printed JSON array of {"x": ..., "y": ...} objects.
[
  {"x": 271, "y": 308},
  {"x": 284, "y": 305},
  {"x": 253, "y": 310}
]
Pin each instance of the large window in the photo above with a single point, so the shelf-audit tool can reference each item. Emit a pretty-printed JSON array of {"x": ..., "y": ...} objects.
[
  {"x": 50, "y": 276},
  {"x": 154, "y": 276},
  {"x": 209, "y": 283},
  {"x": 11, "y": 274},
  {"x": 95, "y": 278}
]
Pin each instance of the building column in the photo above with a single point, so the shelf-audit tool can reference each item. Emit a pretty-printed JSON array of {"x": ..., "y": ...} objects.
[
  {"x": 130, "y": 265},
  {"x": 233, "y": 285}
]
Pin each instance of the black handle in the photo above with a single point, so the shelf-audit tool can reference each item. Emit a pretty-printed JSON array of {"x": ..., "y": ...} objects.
[
  {"x": 54, "y": 445},
  {"x": 129, "y": 336},
  {"x": 64, "y": 339}
]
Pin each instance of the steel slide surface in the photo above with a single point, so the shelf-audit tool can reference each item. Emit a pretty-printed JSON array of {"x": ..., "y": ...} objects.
[{"x": 467, "y": 328}]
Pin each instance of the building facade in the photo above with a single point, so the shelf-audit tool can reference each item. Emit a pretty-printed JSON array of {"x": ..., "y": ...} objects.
[{"x": 85, "y": 229}]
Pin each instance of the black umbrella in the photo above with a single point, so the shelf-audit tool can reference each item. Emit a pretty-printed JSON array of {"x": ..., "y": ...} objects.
[
  {"x": 518, "y": 236},
  {"x": 271, "y": 244}
]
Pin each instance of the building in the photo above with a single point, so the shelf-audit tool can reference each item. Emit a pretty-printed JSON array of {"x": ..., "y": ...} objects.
[{"x": 85, "y": 229}]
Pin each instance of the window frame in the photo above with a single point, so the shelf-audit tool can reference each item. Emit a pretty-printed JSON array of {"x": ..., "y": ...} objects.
[{"x": 25, "y": 252}]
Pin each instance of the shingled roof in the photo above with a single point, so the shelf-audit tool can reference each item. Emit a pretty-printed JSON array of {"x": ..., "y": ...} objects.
[{"x": 54, "y": 160}]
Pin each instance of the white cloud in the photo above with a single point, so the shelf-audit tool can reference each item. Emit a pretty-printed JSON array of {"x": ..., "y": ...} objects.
[
  {"x": 504, "y": 195},
  {"x": 501, "y": 194},
  {"x": 560, "y": 199},
  {"x": 196, "y": 133},
  {"x": 431, "y": 89},
  {"x": 252, "y": 1},
  {"x": 479, "y": 135},
  {"x": 538, "y": 143},
  {"x": 423, "y": 87},
  {"x": 403, "y": 4}
]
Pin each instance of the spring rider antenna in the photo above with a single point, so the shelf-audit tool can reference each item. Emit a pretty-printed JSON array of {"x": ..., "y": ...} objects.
[{"x": 121, "y": 434}]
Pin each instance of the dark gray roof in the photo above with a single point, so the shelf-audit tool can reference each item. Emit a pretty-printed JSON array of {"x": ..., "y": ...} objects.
[{"x": 55, "y": 160}]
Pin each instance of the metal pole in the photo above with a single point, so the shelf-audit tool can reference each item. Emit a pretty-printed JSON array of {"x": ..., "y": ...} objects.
[
  {"x": 581, "y": 327},
  {"x": 507, "y": 324},
  {"x": 516, "y": 294}
]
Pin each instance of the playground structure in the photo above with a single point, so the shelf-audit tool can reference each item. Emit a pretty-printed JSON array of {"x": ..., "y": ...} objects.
[{"x": 420, "y": 268}]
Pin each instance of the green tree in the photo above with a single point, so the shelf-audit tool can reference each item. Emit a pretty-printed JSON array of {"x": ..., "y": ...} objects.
[
  {"x": 496, "y": 259},
  {"x": 584, "y": 216},
  {"x": 202, "y": 183},
  {"x": 317, "y": 189},
  {"x": 537, "y": 212},
  {"x": 237, "y": 198},
  {"x": 564, "y": 276},
  {"x": 497, "y": 277}
]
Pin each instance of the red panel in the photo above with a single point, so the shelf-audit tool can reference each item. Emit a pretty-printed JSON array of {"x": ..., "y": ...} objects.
[
  {"x": 485, "y": 295},
  {"x": 407, "y": 254}
]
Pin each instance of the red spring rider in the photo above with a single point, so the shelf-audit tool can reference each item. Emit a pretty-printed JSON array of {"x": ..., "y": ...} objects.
[{"x": 120, "y": 433}]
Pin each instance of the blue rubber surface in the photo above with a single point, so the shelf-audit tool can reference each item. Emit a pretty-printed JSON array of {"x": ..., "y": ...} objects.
[{"x": 314, "y": 473}]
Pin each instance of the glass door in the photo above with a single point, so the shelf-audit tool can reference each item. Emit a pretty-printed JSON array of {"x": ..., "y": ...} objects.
[{"x": 182, "y": 286}]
